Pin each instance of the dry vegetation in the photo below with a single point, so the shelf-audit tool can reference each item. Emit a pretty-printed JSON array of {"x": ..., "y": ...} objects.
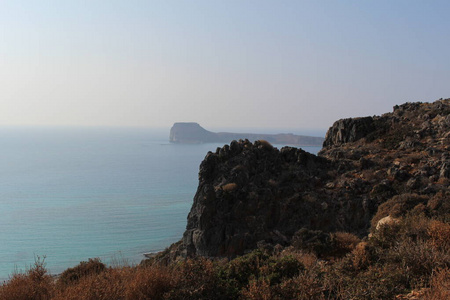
[{"x": 406, "y": 258}]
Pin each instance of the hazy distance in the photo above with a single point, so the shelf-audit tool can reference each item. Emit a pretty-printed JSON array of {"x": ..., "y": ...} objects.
[{"x": 223, "y": 64}]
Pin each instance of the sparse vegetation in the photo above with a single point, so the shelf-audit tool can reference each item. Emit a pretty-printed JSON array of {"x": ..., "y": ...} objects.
[{"x": 409, "y": 257}]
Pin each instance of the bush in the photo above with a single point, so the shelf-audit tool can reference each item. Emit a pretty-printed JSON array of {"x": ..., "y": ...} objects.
[
  {"x": 439, "y": 235},
  {"x": 258, "y": 267},
  {"x": 417, "y": 258},
  {"x": 85, "y": 268},
  {"x": 109, "y": 284},
  {"x": 343, "y": 243},
  {"x": 198, "y": 279},
  {"x": 397, "y": 206},
  {"x": 315, "y": 241},
  {"x": 305, "y": 286},
  {"x": 149, "y": 283},
  {"x": 258, "y": 289},
  {"x": 440, "y": 285},
  {"x": 361, "y": 256},
  {"x": 376, "y": 282},
  {"x": 242, "y": 269},
  {"x": 35, "y": 284}
]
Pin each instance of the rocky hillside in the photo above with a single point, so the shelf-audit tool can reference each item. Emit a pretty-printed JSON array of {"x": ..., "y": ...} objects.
[{"x": 254, "y": 195}]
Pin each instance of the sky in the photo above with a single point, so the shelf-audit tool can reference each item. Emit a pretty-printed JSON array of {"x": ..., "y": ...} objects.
[{"x": 224, "y": 64}]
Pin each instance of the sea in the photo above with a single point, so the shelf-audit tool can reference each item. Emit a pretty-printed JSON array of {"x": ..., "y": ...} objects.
[{"x": 69, "y": 194}]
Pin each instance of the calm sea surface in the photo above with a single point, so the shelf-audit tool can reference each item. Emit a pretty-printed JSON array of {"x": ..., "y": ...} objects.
[{"x": 70, "y": 194}]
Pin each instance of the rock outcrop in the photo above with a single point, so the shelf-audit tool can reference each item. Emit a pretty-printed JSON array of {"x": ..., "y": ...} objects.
[
  {"x": 252, "y": 194},
  {"x": 193, "y": 133},
  {"x": 349, "y": 130}
]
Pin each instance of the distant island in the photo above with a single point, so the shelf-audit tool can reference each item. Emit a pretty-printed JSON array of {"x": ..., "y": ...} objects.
[{"x": 193, "y": 133}]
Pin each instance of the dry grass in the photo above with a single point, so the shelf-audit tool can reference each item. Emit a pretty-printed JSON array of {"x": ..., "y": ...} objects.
[
  {"x": 439, "y": 235},
  {"x": 440, "y": 285},
  {"x": 393, "y": 263}
]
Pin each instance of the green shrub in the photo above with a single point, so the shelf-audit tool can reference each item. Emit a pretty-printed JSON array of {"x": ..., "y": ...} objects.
[
  {"x": 198, "y": 279},
  {"x": 242, "y": 269}
]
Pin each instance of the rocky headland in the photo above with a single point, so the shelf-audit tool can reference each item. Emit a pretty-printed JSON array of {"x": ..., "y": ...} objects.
[
  {"x": 193, "y": 133},
  {"x": 367, "y": 218},
  {"x": 253, "y": 195}
]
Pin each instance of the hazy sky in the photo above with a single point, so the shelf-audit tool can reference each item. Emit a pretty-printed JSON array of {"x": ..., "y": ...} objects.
[{"x": 279, "y": 64}]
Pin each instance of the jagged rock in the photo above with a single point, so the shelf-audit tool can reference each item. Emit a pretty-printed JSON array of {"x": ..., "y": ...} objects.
[
  {"x": 348, "y": 130},
  {"x": 252, "y": 194}
]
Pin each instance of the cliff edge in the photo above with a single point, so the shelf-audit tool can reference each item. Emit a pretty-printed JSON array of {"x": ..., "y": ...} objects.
[{"x": 254, "y": 195}]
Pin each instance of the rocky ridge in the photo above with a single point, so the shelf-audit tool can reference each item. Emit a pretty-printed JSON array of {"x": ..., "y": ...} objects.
[{"x": 253, "y": 195}]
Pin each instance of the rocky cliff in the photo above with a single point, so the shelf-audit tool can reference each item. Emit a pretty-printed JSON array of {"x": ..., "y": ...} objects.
[
  {"x": 193, "y": 133},
  {"x": 254, "y": 195}
]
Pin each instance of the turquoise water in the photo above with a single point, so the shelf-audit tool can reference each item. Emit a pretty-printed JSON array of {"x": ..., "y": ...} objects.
[{"x": 70, "y": 194}]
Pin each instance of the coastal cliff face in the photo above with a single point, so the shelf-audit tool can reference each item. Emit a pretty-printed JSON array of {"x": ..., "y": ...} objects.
[
  {"x": 193, "y": 133},
  {"x": 254, "y": 195}
]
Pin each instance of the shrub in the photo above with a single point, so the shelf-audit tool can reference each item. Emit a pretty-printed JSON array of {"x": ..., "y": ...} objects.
[
  {"x": 149, "y": 283},
  {"x": 440, "y": 285},
  {"x": 281, "y": 267},
  {"x": 361, "y": 257},
  {"x": 305, "y": 286},
  {"x": 84, "y": 268},
  {"x": 315, "y": 241},
  {"x": 242, "y": 269},
  {"x": 439, "y": 235},
  {"x": 417, "y": 258},
  {"x": 376, "y": 282},
  {"x": 259, "y": 267},
  {"x": 197, "y": 279},
  {"x": 343, "y": 243},
  {"x": 258, "y": 289},
  {"x": 439, "y": 205},
  {"x": 106, "y": 285},
  {"x": 397, "y": 206},
  {"x": 35, "y": 284}
]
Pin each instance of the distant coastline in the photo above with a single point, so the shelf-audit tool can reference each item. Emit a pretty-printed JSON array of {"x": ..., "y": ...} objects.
[{"x": 193, "y": 133}]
